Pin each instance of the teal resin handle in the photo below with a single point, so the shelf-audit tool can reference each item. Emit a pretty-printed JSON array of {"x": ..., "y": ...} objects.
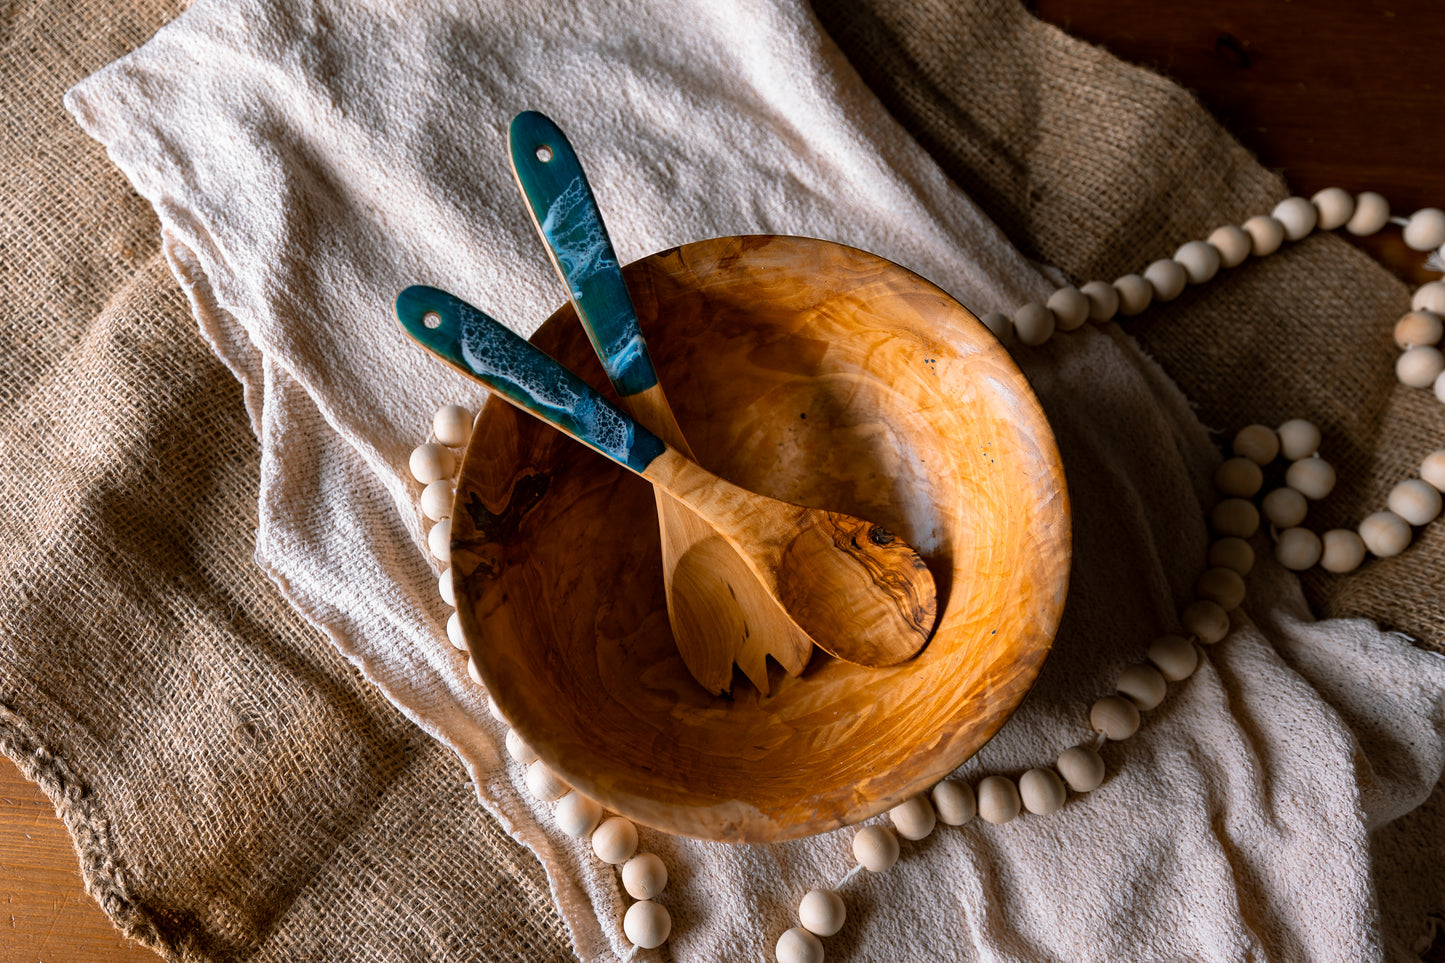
[
  {"x": 570, "y": 223},
  {"x": 469, "y": 339}
]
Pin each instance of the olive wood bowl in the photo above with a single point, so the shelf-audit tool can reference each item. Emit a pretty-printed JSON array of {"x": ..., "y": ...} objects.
[{"x": 814, "y": 373}]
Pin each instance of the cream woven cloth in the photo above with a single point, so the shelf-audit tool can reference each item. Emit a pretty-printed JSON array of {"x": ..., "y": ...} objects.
[{"x": 309, "y": 160}]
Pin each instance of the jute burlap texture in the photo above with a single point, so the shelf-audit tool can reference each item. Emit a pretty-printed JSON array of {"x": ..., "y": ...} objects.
[{"x": 235, "y": 789}]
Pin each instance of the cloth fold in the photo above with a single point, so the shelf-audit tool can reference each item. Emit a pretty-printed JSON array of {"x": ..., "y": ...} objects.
[{"x": 308, "y": 160}]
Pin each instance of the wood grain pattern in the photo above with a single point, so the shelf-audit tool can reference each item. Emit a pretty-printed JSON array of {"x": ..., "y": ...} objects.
[
  {"x": 47, "y": 914},
  {"x": 720, "y": 614},
  {"x": 826, "y": 377}
]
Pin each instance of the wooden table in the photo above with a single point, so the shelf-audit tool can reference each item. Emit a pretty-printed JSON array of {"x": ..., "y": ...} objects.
[{"x": 1335, "y": 92}]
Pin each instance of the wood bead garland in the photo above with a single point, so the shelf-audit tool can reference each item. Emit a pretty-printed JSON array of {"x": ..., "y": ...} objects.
[
  {"x": 822, "y": 912},
  {"x": 1070, "y": 307},
  {"x": 1335, "y": 207},
  {"x": 1033, "y": 324},
  {"x": 1115, "y": 716},
  {"x": 647, "y": 924},
  {"x": 614, "y": 840},
  {"x": 1238, "y": 477},
  {"x": 1142, "y": 685},
  {"x": 1385, "y": 534},
  {"x": 1312, "y": 477},
  {"x": 1298, "y": 439},
  {"x": 1341, "y": 550},
  {"x": 1258, "y": 443},
  {"x": 1135, "y": 294},
  {"x": 913, "y": 818},
  {"x": 998, "y": 799},
  {"x": 1414, "y": 500},
  {"x": 1166, "y": 278},
  {"x": 1235, "y": 517},
  {"x": 1199, "y": 259},
  {"x": 1419, "y": 367},
  {"x": 644, "y": 876},
  {"x": 452, "y": 425},
  {"x": 1042, "y": 792},
  {"x": 1232, "y": 243},
  {"x": 1372, "y": 212},
  {"x": 1418, "y": 329},
  {"x": 1432, "y": 470},
  {"x": 1206, "y": 620},
  {"x": 1082, "y": 768},
  {"x": 1223, "y": 586},
  {"x": 1298, "y": 549},
  {"x": 1232, "y": 553},
  {"x": 577, "y": 815},
  {"x": 1174, "y": 656},
  {"x": 875, "y": 848},
  {"x": 1425, "y": 230},
  {"x": 1103, "y": 300},
  {"x": 1265, "y": 235},
  {"x": 1297, "y": 216},
  {"x": 954, "y": 802},
  {"x": 436, "y": 500},
  {"x": 1285, "y": 507},
  {"x": 797, "y": 945},
  {"x": 430, "y": 463},
  {"x": 544, "y": 784}
]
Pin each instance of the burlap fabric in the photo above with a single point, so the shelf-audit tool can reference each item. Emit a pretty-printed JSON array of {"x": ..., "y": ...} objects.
[{"x": 235, "y": 789}]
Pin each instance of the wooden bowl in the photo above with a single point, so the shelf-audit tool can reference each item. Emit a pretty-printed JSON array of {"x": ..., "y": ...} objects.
[{"x": 810, "y": 372}]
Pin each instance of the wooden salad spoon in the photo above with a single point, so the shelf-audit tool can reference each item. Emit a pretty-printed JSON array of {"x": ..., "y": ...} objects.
[
  {"x": 843, "y": 580},
  {"x": 720, "y": 613}
]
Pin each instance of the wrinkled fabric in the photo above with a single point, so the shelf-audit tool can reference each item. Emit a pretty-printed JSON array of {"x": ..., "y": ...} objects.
[{"x": 307, "y": 161}]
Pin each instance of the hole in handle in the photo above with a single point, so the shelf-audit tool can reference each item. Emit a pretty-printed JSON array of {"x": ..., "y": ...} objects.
[
  {"x": 431, "y": 320},
  {"x": 544, "y": 153}
]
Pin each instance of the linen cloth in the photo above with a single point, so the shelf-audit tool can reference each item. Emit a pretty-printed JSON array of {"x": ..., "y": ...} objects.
[{"x": 306, "y": 166}]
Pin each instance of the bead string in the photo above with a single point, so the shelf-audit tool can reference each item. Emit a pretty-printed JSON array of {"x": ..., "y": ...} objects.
[{"x": 1205, "y": 620}]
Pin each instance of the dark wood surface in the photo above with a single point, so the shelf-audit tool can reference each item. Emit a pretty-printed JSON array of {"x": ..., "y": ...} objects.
[{"x": 1335, "y": 92}]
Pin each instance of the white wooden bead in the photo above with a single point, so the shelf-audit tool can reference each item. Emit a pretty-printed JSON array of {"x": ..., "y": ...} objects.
[
  {"x": 1284, "y": 507},
  {"x": 1042, "y": 791},
  {"x": 452, "y": 425},
  {"x": 1200, "y": 260},
  {"x": 454, "y": 632},
  {"x": 1135, "y": 293},
  {"x": 1298, "y": 216},
  {"x": 1429, "y": 297},
  {"x": 1425, "y": 230},
  {"x": 1298, "y": 439},
  {"x": 1232, "y": 553},
  {"x": 1265, "y": 235},
  {"x": 439, "y": 540},
  {"x": 1142, "y": 685},
  {"x": 1234, "y": 516},
  {"x": 519, "y": 750},
  {"x": 1174, "y": 656},
  {"x": 1341, "y": 550},
  {"x": 1419, "y": 367},
  {"x": 1221, "y": 585},
  {"x": 1415, "y": 501},
  {"x": 913, "y": 818},
  {"x": 1372, "y": 212},
  {"x": 1166, "y": 278},
  {"x": 998, "y": 799},
  {"x": 1206, "y": 620},
  {"x": 430, "y": 462},
  {"x": 577, "y": 815},
  {"x": 647, "y": 924},
  {"x": 615, "y": 840},
  {"x": 1232, "y": 243},
  {"x": 1418, "y": 328},
  {"x": 1082, "y": 768},
  {"x": 1114, "y": 716},
  {"x": 822, "y": 912},
  {"x": 444, "y": 586},
  {"x": 1432, "y": 469},
  {"x": 1103, "y": 300},
  {"x": 1440, "y": 387},
  {"x": 954, "y": 802},
  {"x": 1258, "y": 443},
  {"x": 644, "y": 876},
  {"x": 1313, "y": 477},
  {"x": 1001, "y": 326},
  {"x": 876, "y": 848},
  {"x": 544, "y": 784},
  {"x": 797, "y": 945},
  {"x": 1070, "y": 307},
  {"x": 436, "y": 500},
  {"x": 1335, "y": 207},
  {"x": 1238, "y": 478},
  {"x": 473, "y": 672},
  {"x": 494, "y": 710},
  {"x": 1034, "y": 324},
  {"x": 1385, "y": 534},
  {"x": 1298, "y": 549}
]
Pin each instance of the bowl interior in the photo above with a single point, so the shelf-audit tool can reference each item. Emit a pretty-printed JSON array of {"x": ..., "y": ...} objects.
[{"x": 810, "y": 372}]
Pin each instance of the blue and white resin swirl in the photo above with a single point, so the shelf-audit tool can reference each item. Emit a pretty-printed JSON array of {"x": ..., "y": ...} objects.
[
  {"x": 471, "y": 340},
  {"x": 571, "y": 225}
]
